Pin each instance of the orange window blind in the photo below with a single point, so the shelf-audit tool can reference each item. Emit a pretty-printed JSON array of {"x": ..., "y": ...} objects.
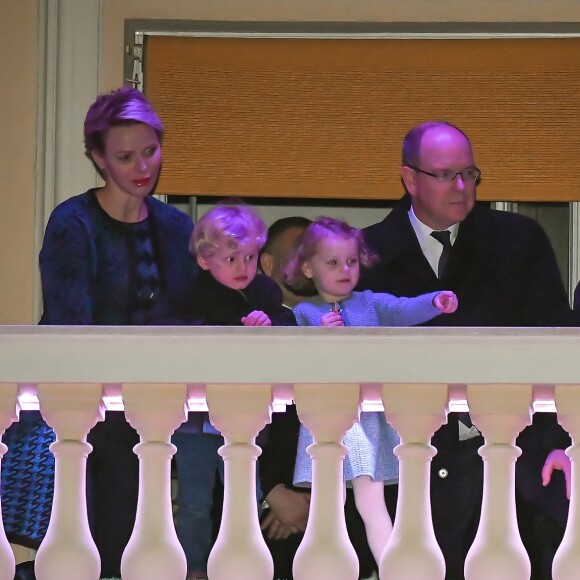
[{"x": 325, "y": 118}]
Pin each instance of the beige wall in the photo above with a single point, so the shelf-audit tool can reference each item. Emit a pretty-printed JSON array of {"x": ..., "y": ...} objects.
[
  {"x": 18, "y": 78},
  {"x": 18, "y": 74},
  {"x": 116, "y": 11}
]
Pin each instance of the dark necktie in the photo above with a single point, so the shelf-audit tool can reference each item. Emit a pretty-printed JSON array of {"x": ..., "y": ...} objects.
[{"x": 444, "y": 238}]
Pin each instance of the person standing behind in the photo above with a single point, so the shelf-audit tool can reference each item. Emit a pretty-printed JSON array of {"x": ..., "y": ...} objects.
[
  {"x": 226, "y": 242},
  {"x": 114, "y": 255},
  {"x": 504, "y": 272},
  {"x": 286, "y": 507},
  {"x": 280, "y": 244}
]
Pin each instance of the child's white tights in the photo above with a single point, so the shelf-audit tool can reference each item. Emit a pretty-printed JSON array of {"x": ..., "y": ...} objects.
[{"x": 369, "y": 497}]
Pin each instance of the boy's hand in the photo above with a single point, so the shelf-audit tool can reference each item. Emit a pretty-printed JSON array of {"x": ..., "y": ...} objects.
[
  {"x": 558, "y": 459},
  {"x": 446, "y": 302},
  {"x": 331, "y": 319},
  {"x": 256, "y": 318}
]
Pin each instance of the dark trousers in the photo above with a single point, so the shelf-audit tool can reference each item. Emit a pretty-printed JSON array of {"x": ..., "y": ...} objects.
[
  {"x": 541, "y": 536},
  {"x": 283, "y": 552},
  {"x": 112, "y": 488},
  {"x": 456, "y": 498},
  {"x": 197, "y": 462}
]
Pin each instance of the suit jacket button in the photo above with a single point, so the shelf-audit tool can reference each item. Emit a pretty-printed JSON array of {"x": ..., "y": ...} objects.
[{"x": 442, "y": 473}]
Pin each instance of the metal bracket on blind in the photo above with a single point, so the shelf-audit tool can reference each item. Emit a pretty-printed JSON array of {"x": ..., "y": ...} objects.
[
  {"x": 136, "y": 53},
  {"x": 506, "y": 206}
]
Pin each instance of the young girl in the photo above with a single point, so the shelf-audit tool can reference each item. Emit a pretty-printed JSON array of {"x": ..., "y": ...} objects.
[{"x": 328, "y": 258}]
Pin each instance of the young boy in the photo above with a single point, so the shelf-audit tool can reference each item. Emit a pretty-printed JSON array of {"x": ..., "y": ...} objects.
[{"x": 226, "y": 242}]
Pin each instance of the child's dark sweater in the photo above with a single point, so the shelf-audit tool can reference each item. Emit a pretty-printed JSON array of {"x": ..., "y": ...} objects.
[{"x": 217, "y": 305}]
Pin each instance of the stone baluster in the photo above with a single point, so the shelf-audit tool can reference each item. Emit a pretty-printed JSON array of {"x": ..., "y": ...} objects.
[
  {"x": 567, "y": 558},
  {"x": 328, "y": 411},
  {"x": 154, "y": 410},
  {"x": 240, "y": 412},
  {"x": 500, "y": 412},
  {"x": 8, "y": 414},
  {"x": 68, "y": 551},
  {"x": 416, "y": 411}
]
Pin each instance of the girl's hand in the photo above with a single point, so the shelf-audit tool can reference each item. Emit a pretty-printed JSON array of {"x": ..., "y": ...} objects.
[
  {"x": 446, "y": 302},
  {"x": 558, "y": 459},
  {"x": 256, "y": 318},
  {"x": 331, "y": 319}
]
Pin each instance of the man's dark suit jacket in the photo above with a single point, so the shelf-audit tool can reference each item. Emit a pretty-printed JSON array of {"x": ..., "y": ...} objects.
[
  {"x": 504, "y": 272},
  {"x": 502, "y": 268}
]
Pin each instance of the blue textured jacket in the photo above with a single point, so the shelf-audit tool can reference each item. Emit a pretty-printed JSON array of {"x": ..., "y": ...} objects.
[{"x": 85, "y": 265}]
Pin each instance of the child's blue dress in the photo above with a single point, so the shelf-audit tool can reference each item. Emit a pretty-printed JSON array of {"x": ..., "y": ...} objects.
[{"x": 370, "y": 442}]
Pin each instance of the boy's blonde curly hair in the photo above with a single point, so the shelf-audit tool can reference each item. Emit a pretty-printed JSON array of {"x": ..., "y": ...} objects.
[{"x": 231, "y": 224}]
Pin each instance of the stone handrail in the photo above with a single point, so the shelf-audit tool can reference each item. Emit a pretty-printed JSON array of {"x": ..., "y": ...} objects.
[{"x": 416, "y": 374}]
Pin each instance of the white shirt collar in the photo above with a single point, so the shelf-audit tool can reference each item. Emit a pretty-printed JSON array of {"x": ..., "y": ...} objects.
[
  {"x": 423, "y": 232},
  {"x": 430, "y": 247}
]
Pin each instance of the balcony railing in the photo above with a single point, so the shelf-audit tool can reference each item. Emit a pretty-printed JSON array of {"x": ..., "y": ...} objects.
[{"x": 418, "y": 374}]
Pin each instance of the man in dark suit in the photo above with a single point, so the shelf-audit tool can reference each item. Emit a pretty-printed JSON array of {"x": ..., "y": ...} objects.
[{"x": 504, "y": 272}]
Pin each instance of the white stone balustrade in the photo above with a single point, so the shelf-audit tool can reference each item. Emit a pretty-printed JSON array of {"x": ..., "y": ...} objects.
[
  {"x": 416, "y": 411},
  {"x": 328, "y": 411},
  {"x": 8, "y": 408},
  {"x": 68, "y": 550},
  {"x": 500, "y": 412},
  {"x": 567, "y": 558},
  {"x": 153, "y": 550},
  {"x": 240, "y": 412},
  {"x": 417, "y": 373}
]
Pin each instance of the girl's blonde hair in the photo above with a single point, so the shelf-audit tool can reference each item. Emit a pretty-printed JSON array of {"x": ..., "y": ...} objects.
[
  {"x": 307, "y": 246},
  {"x": 232, "y": 224}
]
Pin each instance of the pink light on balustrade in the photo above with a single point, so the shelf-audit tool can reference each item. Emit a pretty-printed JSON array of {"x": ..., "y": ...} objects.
[
  {"x": 113, "y": 402},
  {"x": 197, "y": 404},
  {"x": 542, "y": 406},
  {"x": 458, "y": 406},
  {"x": 27, "y": 400}
]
